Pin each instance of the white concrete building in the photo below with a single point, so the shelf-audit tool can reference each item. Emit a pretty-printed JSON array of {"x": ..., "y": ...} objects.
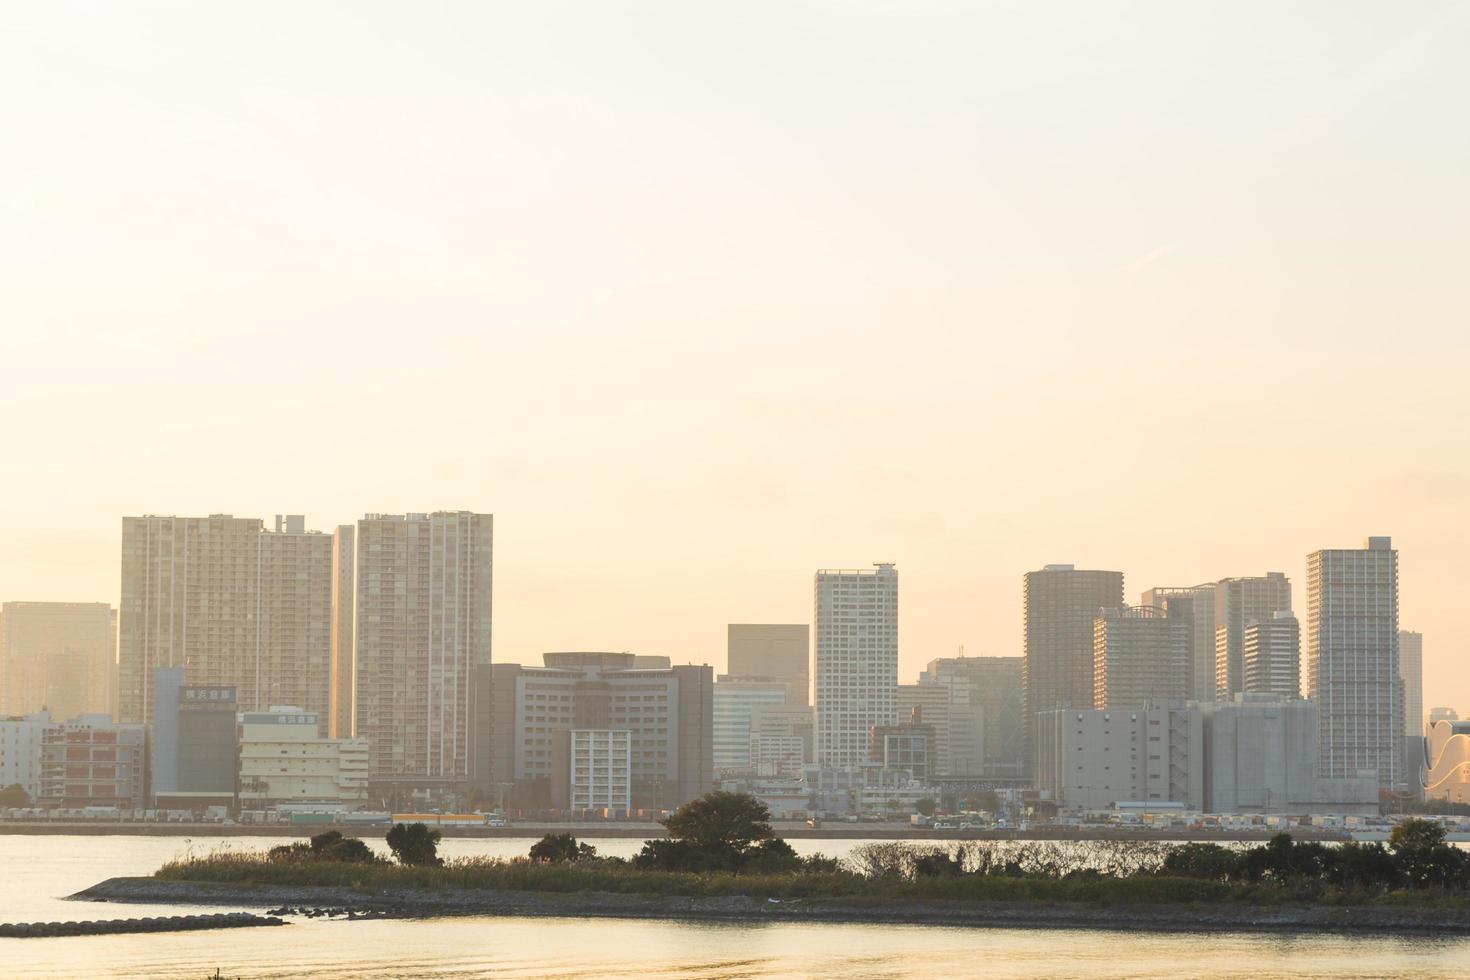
[
  {"x": 601, "y": 769},
  {"x": 21, "y": 738},
  {"x": 422, "y": 626},
  {"x": 1271, "y": 652},
  {"x": 1238, "y": 602},
  {"x": 233, "y": 603},
  {"x": 1197, "y": 604},
  {"x": 736, "y": 699},
  {"x": 777, "y": 756},
  {"x": 856, "y": 660},
  {"x": 1353, "y": 660},
  {"x": 285, "y": 759}
]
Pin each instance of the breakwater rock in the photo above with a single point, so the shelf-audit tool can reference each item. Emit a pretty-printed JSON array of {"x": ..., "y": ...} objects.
[
  {"x": 415, "y": 902},
  {"x": 168, "y": 923}
]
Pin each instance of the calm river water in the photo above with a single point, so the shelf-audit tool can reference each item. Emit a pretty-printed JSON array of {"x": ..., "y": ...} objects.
[{"x": 36, "y": 873}]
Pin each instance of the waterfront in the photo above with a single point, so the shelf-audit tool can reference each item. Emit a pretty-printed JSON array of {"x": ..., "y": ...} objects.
[{"x": 40, "y": 871}]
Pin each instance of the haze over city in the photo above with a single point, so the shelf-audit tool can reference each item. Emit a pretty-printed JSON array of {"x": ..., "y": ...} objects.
[{"x": 697, "y": 300}]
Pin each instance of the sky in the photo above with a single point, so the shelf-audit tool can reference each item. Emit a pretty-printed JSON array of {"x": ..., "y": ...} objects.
[{"x": 699, "y": 298}]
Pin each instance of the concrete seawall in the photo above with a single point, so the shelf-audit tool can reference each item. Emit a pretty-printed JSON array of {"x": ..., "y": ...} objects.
[{"x": 411, "y": 903}]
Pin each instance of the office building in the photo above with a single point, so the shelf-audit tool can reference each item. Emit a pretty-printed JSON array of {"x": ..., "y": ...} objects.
[
  {"x": 782, "y": 651},
  {"x": 1197, "y": 604},
  {"x": 285, "y": 759},
  {"x": 1411, "y": 676},
  {"x": 21, "y": 738},
  {"x": 423, "y": 617},
  {"x": 736, "y": 698},
  {"x": 234, "y": 604},
  {"x": 1352, "y": 660},
  {"x": 1060, "y": 605},
  {"x": 1238, "y": 602},
  {"x": 953, "y": 725},
  {"x": 908, "y": 745},
  {"x": 90, "y": 761},
  {"x": 786, "y": 721},
  {"x": 60, "y": 656},
  {"x": 344, "y": 622},
  {"x": 856, "y": 660},
  {"x": 668, "y": 712},
  {"x": 196, "y": 742},
  {"x": 1140, "y": 654},
  {"x": 777, "y": 756},
  {"x": 984, "y": 716},
  {"x": 1272, "y": 656}
]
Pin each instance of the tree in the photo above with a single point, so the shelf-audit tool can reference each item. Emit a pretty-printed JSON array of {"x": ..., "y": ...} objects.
[
  {"x": 1425, "y": 859},
  {"x": 925, "y": 806},
  {"x": 560, "y": 849},
  {"x": 721, "y": 820},
  {"x": 332, "y": 846},
  {"x": 414, "y": 844},
  {"x": 14, "y": 795}
]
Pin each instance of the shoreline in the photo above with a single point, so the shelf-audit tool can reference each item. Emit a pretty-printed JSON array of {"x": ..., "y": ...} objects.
[
  {"x": 645, "y": 831},
  {"x": 433, "y": 903}
]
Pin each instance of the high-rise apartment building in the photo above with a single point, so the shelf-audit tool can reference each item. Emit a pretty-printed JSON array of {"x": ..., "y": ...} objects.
[
  {"x": 422, "y": 625},
  {"x": 1060, "y": 605},
  {"x": 60, "y": 656},
  {"x": 1197, "y": 603},
  {"x": 1272, "y": 654},
  {"x": 1140, "y": 654},
  {"x": 775, "y": 650},
  {"x": 344, "y": 622},
  {"x": 1411, "y": 673},
  {"x": 1352, "y": 660},
  {"x": 856, "y": 660},
  {"x": 232, "y": 603},
  {"x": 1238, "y": 601}
]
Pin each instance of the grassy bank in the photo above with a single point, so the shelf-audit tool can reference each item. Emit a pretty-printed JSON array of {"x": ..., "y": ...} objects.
[{"x": 845, "y": 887}]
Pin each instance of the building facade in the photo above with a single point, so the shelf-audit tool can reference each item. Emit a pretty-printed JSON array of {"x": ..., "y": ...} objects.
[
  {"x": 1060, "y": 605},
  {"x": 856, "y": 660},
  {"x": 1271, "y": 651},
  {"x": 91, "y": 761},
  {"x": 782, "y": 651},
  {"x": 1411, "y": 676},
  {"x": 344, "y": 623},
  {"x": 1197, "y": 604},
  {"x": 423, "y": 623},
  {"x": 21, "y": 738},
  {"x": 196, "y": 742},
  {"x": 667, "y": 711},
  {"x": 600, "y": 769},
  {"x": 60, "y": 656},
  {"x": 1352, "y": 660},
  {"x": 1238, "y": 602},
  {"x": 986, "y": 733},
  {"x": 285, "y": 759},
  {"x": 1140, "y": 654},
  {"x": 232, "y": 603},
  {"x": 735, "y": 700},
  {"x": 1093, "y": 759}
]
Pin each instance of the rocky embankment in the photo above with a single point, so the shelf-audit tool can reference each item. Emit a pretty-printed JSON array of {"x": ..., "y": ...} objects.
[
  {"x": 107, "y": 927},
  {"x": 408, "y": 903}
]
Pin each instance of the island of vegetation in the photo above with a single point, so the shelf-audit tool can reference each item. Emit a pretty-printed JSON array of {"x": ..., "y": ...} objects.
[{"x": 721, "y": 859}]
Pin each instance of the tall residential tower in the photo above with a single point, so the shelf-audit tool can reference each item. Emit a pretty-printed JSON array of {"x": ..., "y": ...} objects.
[{"x": 856, "y": 660}]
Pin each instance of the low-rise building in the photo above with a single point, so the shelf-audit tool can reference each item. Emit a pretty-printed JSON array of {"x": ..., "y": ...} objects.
[
  {"x": 91, "y": 761},
  {"x": 21, "y": 738},
  {"x": 285, "y": 759},
  {"x": 777, "y": 756}
]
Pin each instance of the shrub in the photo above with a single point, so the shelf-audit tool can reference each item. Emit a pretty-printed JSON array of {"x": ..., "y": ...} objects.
[
  {"x": 414, "y": 844},
  {"x": 773, "y": 856},
  {"x": 561, "y": 849},
  {"x": 1209, "y": 861},
  {"x": 661, "y": 854}
]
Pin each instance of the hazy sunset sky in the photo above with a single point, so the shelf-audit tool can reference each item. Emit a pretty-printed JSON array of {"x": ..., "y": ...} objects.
[{"x": 697, "y": 298}]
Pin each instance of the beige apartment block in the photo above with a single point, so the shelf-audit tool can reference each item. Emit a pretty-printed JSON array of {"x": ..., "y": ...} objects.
[
  {"x": 422, "y": 625},
  {"x": 233, "y": 603},
  {"x": 60, "y": 656},
  {"x": 344, "y": 564}
]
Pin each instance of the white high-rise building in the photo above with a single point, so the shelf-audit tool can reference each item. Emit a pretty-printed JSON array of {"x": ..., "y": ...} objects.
[
  {"x": 1272, "y": 654},
  {"x": 1411, "y": 672},
  {"x": 232, "y": 603},
  {"x": 856, "y": 661},
  {"x": 1353, "y": 660},
  {"x": 423, "y": 624}
]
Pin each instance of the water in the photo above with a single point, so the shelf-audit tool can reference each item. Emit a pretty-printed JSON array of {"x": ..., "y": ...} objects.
[{"x": 37, "y": 872}]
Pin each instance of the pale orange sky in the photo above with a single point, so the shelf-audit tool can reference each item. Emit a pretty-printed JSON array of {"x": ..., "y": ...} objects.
[{"x": 699, "y": 298}]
